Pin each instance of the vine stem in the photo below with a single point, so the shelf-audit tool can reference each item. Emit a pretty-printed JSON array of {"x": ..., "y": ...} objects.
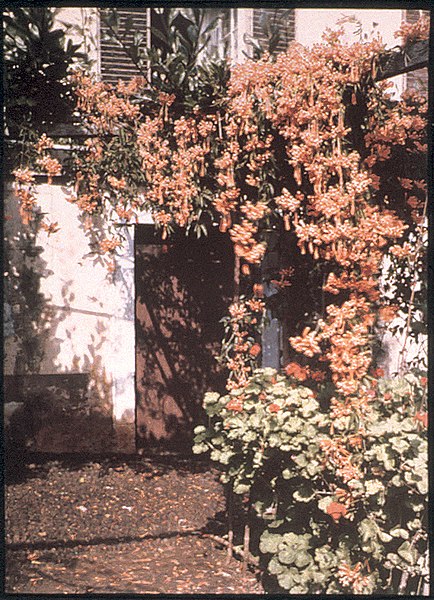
[
  {"x": 252, "y": 560},
  {"x": 403, "y": 352},
  {"x": 237, "y": 277}
]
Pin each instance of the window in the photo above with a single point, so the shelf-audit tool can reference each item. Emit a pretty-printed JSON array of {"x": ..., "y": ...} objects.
[
  {"x": 273, "y": 27},
  {"x": 114, "y": 60}
]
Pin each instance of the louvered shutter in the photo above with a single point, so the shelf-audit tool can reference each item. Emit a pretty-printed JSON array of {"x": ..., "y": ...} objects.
[
  {"x": 282, "y": 18},
  {"x": 114, "y": 61}
]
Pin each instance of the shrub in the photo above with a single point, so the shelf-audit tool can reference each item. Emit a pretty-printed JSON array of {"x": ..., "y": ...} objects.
[{"x": 321, "y": 532}]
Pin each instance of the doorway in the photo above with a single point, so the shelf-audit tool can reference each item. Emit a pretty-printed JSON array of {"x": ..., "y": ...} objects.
[{"x": 184, "y": 286}]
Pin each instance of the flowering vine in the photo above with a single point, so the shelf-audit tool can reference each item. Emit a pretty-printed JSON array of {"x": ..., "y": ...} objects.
[{"x": 309, "y": 140}]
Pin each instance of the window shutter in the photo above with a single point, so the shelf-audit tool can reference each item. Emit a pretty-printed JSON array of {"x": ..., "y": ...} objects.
[
  {"x": 283, "y": 19},
  {"x": 115, "y": 62}
]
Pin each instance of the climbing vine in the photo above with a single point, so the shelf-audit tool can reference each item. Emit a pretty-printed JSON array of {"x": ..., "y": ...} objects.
[{"x": 310, "y": 145}]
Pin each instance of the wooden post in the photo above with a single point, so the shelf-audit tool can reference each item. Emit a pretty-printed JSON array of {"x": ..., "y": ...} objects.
[
  {"x": 253, "y": 560},
  {"x": 229, "y": 500},
  {"x": 403, "y": 582},
  {"x": 246, "y": 543}
]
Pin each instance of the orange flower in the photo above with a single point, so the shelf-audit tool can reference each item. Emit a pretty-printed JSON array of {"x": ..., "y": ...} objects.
[
  {"x": 274, "y": 408},
  {"x": 307, "y": 343},
  {"x": 421, "y": 417},
  {"x": 258, "y": 290},
  {"x": 44, "y": 143},
  {"x": 355, "y": 441},
  {"x": 51, "y": 166},
  {"x": 117, "y": 184},
  {"x": 352, "y": 577},
  {"x": 255, "y": 350},
  {"x": 23, "y": 175},
  {"x": 50, "y": 227},
  {"x": 336, "y": 510},
  {"x": 235, "y": 405},
  {"x": 109, "y": 245},
  {"x": 317, "y": 376},
  {"x": 237, "y": 311},
  {"x": 297, "y": 371},
  {"x": 255, "y": 305}
]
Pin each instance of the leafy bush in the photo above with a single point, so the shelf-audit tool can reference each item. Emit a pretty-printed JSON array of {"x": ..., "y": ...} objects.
[{"x": 320, "y": 532}]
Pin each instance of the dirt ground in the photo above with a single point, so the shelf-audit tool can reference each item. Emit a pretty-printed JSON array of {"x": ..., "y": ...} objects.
[{"x": 120, "y": 525}]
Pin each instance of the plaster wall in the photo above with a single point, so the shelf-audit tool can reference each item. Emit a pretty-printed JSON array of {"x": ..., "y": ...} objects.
[
  {"x": 242, "y": 29},
  {"x": 87, "y": 322},
  {"x": 81, "y": 25}
]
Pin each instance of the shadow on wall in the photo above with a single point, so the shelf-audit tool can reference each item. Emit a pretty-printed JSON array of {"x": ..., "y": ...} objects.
[
  {"x": 183, "y": 289},
  {"x": 28, "y": 328},
  {"x": 47, "y": 410}
]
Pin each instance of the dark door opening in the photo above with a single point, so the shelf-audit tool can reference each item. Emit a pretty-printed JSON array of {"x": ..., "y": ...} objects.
[{"x": 184, "y": 286}]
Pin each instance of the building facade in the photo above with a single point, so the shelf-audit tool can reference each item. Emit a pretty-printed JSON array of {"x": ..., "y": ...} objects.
[{"x": 81, "y": 391}]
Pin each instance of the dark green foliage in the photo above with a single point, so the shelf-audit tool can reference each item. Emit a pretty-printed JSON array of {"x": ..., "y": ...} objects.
[
  {"x": 176, "y": 60},
  {"x": 36, "y": 61}
]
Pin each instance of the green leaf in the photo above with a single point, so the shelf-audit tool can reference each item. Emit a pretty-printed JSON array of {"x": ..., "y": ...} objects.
[
  {"x": 269, "y": 542},
  {"x": 368, "y": 529},
  {"x": 399, "y": 532},
  {"x": 241, "y": 488},
  {"x": 286, "y": 580},
  {"x": 324, "y": 502},
  {"x": 408, "y": 553},
  {"x": 422, "y": 485},
  {"x": 399, "y": 444},
  {"x": 275, "y": 567},
  {"x": 313, "y": 468},
  {"x": 200, "y": 448},
  {"x": 384, "y": 537},
  {"x": 302, "y": 559},
  {"x": 287, "y": 556},
  {"x": 288, "y": 474},
  {"x": 300, "y": 460},
  {"x": 305, "y": 493},
  {"x": 373, "y": 486}
]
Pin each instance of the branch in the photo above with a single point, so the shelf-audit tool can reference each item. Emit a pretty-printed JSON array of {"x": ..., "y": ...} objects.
[{"x": 403, "y": 60}]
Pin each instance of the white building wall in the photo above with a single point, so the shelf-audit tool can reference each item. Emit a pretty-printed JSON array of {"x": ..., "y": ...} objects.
[
  {"x": 242, "y": 20},
  {"x": 81, "y": 25},
  {"x": 89, "y": 314}
]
